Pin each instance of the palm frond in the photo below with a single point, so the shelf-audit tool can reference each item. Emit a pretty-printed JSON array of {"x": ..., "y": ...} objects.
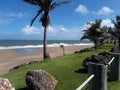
[
  {"x": 89, "y": 23},
  {"x": 45, "y": 6},
  {"x": 84, "y": 37},
  {"x": 32, "y": 21},
  {"x": 54, "y": 5},
  {"x": 115, "y": 24},
  {"x": 112, "y": 21},
  {"x": 65, "y": 2},
  {"x": 85, "y": 30},
  {"x": 34, "y": 2}
]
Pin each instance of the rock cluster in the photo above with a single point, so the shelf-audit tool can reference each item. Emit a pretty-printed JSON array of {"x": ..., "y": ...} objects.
[
  {"x": 102, "y": 58},
  {"x": 83, "y": 50},
  {"x": 5, "y": 84},
  {"x": 40, "y": 80},
  {"x": 22, "y": 65}
]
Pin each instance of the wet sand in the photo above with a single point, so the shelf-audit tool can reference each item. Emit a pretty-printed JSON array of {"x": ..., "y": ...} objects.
[{"x": 10, "y": 58}]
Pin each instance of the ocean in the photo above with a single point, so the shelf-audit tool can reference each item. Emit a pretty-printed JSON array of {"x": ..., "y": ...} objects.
[{"x": 16, "y": 44}]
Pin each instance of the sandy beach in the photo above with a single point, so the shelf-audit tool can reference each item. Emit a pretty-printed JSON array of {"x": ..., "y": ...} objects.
[{"x": 10, "y": 58}]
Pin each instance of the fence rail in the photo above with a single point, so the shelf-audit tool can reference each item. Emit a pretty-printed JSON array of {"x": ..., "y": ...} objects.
[
  {"x": 110, "y": 61},
  {"x": 103, "y": 70},
  {"x": 87, "y": 81}
]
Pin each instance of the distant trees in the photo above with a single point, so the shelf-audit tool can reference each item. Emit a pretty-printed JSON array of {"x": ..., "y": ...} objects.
[
  {"x": 99, "y": 34},
  {"x": 45, "y": 6}
]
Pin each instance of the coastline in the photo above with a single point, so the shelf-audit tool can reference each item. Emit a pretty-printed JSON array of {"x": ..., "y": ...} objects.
[{"x": 9, "y": 58}]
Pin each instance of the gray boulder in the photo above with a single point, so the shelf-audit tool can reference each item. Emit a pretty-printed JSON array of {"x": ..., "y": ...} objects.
[
  {"x": 40, "y": 80},
  {"x": 5, "y": 84}
]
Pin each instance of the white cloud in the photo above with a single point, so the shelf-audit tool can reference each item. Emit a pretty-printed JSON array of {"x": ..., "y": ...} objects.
[
  {"x": 105, "y": 11},
  {"x": 82, "y": 9},
  {"x": 18, "y": 15},
  {"x": 7, "y": 17},
  {"x": 30, "y": 30},
  {"x": 107, "y": 22},
  {"x": 5, "y": 20},
  {"x": 60, "y": 32},
  {"x": 54, "y": 32}
]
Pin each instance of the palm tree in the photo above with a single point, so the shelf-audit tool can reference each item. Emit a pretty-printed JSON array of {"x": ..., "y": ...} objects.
[
  {"x": 94, "y": 32},
  {"x": 116, "y": 32},
  {"x": 45, "y": 6}
]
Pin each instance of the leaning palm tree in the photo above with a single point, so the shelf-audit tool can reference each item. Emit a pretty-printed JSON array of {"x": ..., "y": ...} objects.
[
  {"x": 116, "y": 31},
  {"x": 94, "y": 32},
  {"x": 45, "y": 6}
]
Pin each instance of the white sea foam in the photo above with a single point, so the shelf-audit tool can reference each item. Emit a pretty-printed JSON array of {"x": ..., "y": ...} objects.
[
  {"x": 18, "y": 47},
  {"x": 49, "y": 45}
]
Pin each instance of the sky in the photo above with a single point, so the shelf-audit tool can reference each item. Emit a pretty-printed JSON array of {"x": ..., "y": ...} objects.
[{"x": 67, "y": 21}]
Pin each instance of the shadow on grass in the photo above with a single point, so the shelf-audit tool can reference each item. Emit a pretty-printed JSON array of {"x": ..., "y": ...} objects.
[
  {"x": 22, "y": 89},
  {"x": 81, "y": 71}
]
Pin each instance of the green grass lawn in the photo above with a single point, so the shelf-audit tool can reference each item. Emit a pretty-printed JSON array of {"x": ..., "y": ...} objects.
[{"x": 63, "y": 69}]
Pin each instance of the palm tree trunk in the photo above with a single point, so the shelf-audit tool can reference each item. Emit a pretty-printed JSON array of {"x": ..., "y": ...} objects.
[
  {"x": 119, "y": 43},
  {"x": 45, "y": 53},
  {"x": 96, "y": 45}
]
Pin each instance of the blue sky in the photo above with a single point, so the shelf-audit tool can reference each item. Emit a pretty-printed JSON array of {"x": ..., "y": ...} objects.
[{"x": 67, "y": 21}]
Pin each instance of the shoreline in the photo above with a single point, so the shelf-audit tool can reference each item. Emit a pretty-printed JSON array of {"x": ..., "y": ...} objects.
[
  {"x": 9, "y": 58},
  {"x": 41, "y": 46}
]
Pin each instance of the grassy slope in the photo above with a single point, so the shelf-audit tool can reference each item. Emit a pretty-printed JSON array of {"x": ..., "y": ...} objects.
[{"x": 62, "y": 68}]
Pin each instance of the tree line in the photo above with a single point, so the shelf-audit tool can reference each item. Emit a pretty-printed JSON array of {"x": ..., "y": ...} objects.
[{"x": 100, "y": 34}]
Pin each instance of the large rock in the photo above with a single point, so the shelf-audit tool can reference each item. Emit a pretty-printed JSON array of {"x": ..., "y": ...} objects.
[
  {"x": 40, "y": 80},
  {"x": 5, "y": 84}
]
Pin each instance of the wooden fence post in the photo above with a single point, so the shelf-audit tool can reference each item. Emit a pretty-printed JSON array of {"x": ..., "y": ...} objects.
[
  {"x": 99, "y": 82},
  {"x": 114, "y": 74}
]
